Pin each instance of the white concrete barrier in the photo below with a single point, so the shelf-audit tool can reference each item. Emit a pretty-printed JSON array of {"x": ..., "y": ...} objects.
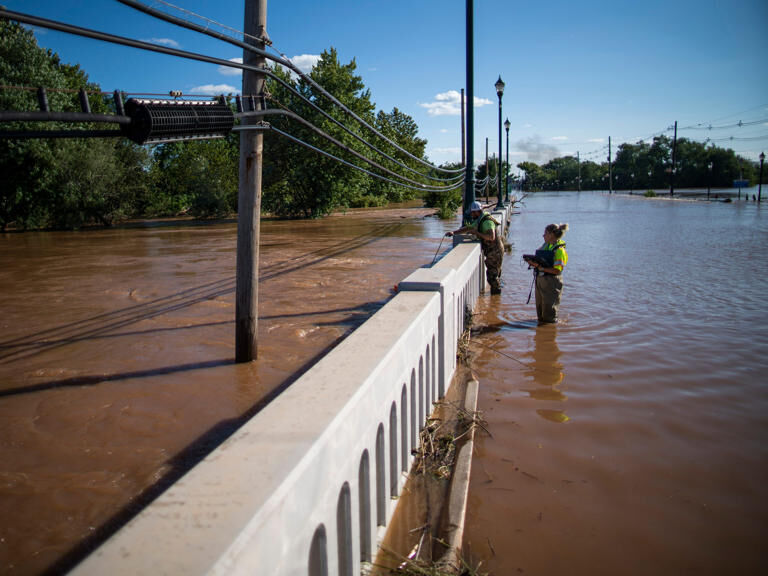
[{"x": 308, "y": 485}]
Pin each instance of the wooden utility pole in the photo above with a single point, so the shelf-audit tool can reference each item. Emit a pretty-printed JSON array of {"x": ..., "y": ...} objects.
[
  {"x": 249, "y": 193},
  {"x": 578, "y": 161},
  {"x": 672, "y": 173},
  {"x": 610, "y": 168}
]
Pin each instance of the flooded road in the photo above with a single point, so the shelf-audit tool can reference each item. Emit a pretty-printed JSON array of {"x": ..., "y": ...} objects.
[
  {"x": 117, "y": 348},
  {"x": 632, "y": 438}
]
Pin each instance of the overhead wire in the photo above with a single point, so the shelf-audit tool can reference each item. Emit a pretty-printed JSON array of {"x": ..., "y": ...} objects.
[
  {"x": 68, "y": 28},
  {"x": 356, "y": 136},
  {"x": 345, "y": 162},
  {"x": 300, "y": 120},
  {"x": 283, "y": 61}
]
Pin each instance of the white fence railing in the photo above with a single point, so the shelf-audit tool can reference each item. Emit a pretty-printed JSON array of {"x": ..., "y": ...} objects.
[{"x": 308, "y": 485}]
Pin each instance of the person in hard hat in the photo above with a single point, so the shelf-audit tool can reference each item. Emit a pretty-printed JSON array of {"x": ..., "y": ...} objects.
[
  {"x": 482, "y": 225},
  {"x": 548, "y": 266}
]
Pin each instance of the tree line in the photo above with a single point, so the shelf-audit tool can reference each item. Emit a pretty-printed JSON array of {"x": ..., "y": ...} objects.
[
  {"x": 70, "y": 183},
  {"x": 645, "y": 166}
]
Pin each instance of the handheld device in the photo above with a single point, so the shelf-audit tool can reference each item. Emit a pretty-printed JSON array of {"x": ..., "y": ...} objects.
[{"x": 533, "y": 258}]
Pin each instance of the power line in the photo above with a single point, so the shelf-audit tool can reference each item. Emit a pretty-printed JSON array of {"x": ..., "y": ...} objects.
[
  {"x": 345, "y": 162},
  {"x": 283, "y": 62},
  {"x": 45, "y": 23},
  {"x": 341, "y": 145}
]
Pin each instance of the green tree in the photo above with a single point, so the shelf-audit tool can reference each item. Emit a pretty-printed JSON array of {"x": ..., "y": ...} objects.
[
  {"x": 198, "y": 177},
  {"x": 47, "y": 182},
  {"x": 534, "y": 178},
  {"x": 401, "y": 129},
  {"x": 300, "y": 182},
  {"x": 446, "y": 202}
]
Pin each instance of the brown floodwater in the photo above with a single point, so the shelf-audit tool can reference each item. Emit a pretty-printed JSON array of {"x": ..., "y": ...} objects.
[
  {"x": 632, "y": 438},
  {"x": 117, "y": 348}
]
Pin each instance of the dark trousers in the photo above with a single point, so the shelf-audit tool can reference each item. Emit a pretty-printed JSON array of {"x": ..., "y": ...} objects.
[{"x": 549, "y": 288}]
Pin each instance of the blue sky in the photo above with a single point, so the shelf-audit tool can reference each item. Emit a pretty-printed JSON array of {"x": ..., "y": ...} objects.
[{"x": 575, "y": 72}]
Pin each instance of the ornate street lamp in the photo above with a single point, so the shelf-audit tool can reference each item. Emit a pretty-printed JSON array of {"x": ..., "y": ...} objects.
[
  {"x": 507, "y": 124},
  {"x": 499, "y": 93},
  {"x": 709, "y": 180},
  {"x": 760, "y": 183}
]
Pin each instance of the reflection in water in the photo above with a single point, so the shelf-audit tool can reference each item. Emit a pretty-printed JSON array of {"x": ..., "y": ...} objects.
[
  {"x": 117, "y": 347},
  {"x": 547, "y": 372},
  {"x": 662, "y": 469}
]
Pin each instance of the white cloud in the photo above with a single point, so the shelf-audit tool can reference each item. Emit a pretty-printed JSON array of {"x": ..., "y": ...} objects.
[
  {"x": 227, "y": 71},
  {"x": 560, "y": 138},
  {"x": 442, "y": 155},
  {"x": 444, "y": 131},
  {"x": 305, "y": 62},
  {"x": 527, "y": 125},
  {"x": 449, "y": 104},
  {"x": 598, "y": 140},
  {"x": 163, "y": 41},
  {"x": 213, "y": 89}
]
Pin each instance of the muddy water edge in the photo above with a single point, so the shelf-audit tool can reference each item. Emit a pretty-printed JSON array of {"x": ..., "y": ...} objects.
[
  {"x": 632, "y": 438},
  {"x": 117, "y": 347}
]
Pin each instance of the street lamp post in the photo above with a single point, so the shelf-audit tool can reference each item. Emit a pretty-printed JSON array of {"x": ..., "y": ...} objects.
[
  {"x": 499, "y": 93},
  {"x": 632, "y": 184},
  {"x": 709, "y": 180},
  {"x": 507, "y": 124},
  {"x": 650, "y": 173},
  {"x": 760, "y": 182}
]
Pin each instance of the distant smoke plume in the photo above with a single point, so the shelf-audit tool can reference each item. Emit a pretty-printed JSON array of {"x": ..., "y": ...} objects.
[{"x": 537, "y": 151}]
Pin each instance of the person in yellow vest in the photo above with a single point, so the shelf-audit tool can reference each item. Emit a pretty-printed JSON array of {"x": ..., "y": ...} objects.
[
  {"x": 488, "y": 231},
  {"x": 550, "y": 260}
]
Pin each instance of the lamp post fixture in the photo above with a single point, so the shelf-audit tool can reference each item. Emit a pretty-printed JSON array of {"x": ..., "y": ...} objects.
[
  {"x": 760, "y": 182},
  {"x": 632, "y": 184},
  {"x": 709, "y": 180},
  {"x": 499, "y": 93},
  {"x": 507, "y": 124},
  {"x": 650, "y": 173}
]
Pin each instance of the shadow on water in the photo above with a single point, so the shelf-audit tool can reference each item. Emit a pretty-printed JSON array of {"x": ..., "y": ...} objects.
[
  {"x": 179, "y": 465},
  {"x": 93, "y": 380},
  {"x": 503, "y": 326},
  {"x": 102, "y": 325}
]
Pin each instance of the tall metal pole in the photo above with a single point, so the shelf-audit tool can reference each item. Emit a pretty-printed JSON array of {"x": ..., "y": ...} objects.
[
  {"x": 578, "y": 161},
  {"x": 610, "y": 169},
  {"x": 506, "y": 171},
  {"x": 499, "y": 93},
  {"x": 672, "y": 174},
  {"x": 487, "y": 171},
  {"x": 469, "y": 175},
  {"x": 463, "y": 134},
  {"x": 249, "y": 193},
  {"x": 760, "y": 182}
]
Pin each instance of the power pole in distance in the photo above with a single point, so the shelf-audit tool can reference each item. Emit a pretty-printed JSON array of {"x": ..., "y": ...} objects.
[
  {"x": 610, "y": 169},
  {"x": 578, "y": 162},
  {"x": 672, "y": 174}
]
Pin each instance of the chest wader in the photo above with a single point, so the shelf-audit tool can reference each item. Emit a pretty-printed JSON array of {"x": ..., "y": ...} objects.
[
  {"x": 549, "y": 287},
  {"x": 493, "y": 252}
]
